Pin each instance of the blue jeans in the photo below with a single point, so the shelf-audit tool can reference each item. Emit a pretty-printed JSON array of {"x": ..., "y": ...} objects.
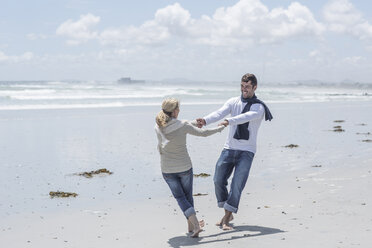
[
  {"x": 230, "y": 159},
  {"x": 181, "y": 186}
]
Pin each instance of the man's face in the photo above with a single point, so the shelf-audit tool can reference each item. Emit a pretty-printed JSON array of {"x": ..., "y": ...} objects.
[{"x": 247, "y": 89}]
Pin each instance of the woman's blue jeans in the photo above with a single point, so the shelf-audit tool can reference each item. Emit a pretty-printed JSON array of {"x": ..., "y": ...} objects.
[
  {"x": 181, "y": 186},
  {"x": 229, "y": 160}
]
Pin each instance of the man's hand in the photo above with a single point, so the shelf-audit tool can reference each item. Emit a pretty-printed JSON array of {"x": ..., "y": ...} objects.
[
  {"x": 224, "y": 123},
  {"x": 200, "y": 122}
]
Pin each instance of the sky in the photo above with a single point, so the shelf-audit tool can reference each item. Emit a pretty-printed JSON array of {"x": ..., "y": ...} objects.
[{"x": 204, "y": 40}]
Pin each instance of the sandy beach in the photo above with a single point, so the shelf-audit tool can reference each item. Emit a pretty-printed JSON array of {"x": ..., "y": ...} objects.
[{"x": 318, "y": 194}]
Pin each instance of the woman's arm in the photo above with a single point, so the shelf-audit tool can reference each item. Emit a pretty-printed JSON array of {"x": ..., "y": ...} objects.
[
  {"x": 159, "y": 140},
  {"x": 204, "y": 132}
]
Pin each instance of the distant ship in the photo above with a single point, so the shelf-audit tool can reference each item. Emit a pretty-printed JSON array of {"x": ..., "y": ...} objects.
[{"x": 128, "y": 80}]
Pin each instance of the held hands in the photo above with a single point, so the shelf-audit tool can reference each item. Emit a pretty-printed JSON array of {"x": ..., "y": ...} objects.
[{"x": 200, "y": 122}]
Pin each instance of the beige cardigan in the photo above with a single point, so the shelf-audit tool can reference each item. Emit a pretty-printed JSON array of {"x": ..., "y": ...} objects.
[{"x": 174, "y": 157}]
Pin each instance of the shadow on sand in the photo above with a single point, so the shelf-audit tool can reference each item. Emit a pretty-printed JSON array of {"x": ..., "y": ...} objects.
[{"x": 236, "y": 233}]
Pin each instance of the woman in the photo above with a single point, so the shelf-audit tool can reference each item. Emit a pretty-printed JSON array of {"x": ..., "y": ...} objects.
[{"x": 175, "y": 161}]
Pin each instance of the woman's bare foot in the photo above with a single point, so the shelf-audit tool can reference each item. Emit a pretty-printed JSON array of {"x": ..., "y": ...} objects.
[
  {"x": 195, "y": 233},
  {"x": 196, "y": 224},
  {"x": 191, "y": 227}
]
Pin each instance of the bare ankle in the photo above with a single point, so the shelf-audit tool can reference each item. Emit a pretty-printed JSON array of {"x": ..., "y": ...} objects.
[{"x": 226, "y": 227}]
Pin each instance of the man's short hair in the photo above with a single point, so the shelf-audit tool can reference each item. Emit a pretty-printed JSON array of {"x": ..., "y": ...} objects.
[{"x": 250, "y": 77}]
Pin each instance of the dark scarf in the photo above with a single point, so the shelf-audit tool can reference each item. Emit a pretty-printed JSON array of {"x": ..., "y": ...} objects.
[{"x": 242, "y": 129}]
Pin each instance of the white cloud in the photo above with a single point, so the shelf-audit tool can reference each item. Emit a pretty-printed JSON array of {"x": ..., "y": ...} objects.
[
  {"x": 27, "y": 56},
  {"x": 79, "y": 31},
  {"x": 251, "y": 21},
  {"x": 314, "y": 53},
  {"x": 353, "y": 60},
  {"x": 148, "y": 33},
  {"x": 246, "y": 22},
  {"x": 3, "y": 57},
  {"x": 15, "y": 59},
  {"x": 33, "y": 36},
  {"x": 342, "y": 17},
  {"x": 168, "y": 21},
  {"x": 174, "y": 17}
]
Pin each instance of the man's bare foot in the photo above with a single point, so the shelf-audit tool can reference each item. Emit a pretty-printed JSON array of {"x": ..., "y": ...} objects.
[
  {"x": 222, "y": 220},
  {"x": 226, "y": 227}
]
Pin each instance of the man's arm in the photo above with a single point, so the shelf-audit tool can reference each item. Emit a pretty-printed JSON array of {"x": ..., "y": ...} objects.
[{"x": 253, "y": 114}]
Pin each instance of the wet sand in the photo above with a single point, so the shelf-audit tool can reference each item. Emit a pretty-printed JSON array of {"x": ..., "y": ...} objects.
[{"x": 317, "y": 194}]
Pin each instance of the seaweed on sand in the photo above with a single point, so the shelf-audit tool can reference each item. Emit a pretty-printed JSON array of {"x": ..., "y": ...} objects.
[
  {"x": 202, "y": 175},
  {"x": 96, "y": 172},
  {"x": 291, "y": 146},
  {"x": 338, "y": 130},
  {"x": 199, "y": 194},
  {"x": 61, "y": 194}
]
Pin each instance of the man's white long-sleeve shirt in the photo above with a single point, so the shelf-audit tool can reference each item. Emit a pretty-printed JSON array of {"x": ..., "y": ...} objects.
[{"x": 234, "y": 106}]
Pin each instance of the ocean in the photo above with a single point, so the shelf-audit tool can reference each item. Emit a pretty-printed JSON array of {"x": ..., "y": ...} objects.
[{"x": 23, "y": 95}]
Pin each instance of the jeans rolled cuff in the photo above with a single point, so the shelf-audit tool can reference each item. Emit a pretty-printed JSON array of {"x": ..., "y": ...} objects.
[
  {"x": 230, "y": 208},
  {"x": 221, "y": 204},
  {"x": 190, "y": 211}
]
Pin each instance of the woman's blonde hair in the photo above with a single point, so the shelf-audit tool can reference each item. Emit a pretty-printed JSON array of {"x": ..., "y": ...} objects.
[{"x": 165, "y": 115}]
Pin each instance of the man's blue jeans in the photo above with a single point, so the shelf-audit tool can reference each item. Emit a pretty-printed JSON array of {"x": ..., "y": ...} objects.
[
  {"x": 230, "y": 159},
  {"x": 181, "y": 186}
]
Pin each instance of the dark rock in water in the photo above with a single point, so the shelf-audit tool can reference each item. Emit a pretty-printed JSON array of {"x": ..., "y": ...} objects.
[
  {"x": 199, "y": 194},
  {"x": 367, "y": 140},
  {"x": 337, "y": 127},
  {"x": 291, "y": 146},
  {"x": 61, "y": 194},
  {"x": 339, "y": 121},
  {"x": 96, "y": 172},
  {"x": 317, "y": 166},
  {"x": 202, "y": 175}
]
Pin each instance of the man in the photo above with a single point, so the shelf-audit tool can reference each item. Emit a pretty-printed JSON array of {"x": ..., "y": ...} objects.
[{"x": 246, "y": 114}]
